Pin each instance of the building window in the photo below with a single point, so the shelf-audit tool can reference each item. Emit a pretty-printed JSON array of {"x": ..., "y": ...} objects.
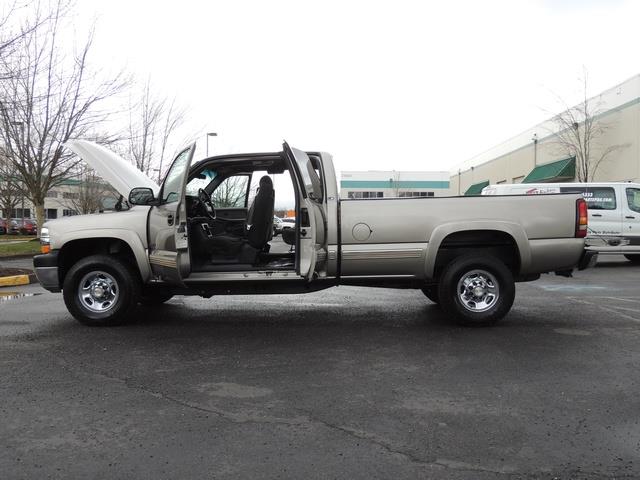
[
  {"x": 501, "y": 182},
  {"x": 518, "y": 179},
  {"x": 70, "y": 195},
  {"x": 21, "y": 213},
  {"x": 365, "y": 195},
  {"x": 69, "y": 213},
  {"x": 51, "y": 213},
  {"x": 51, "y": 194},
  {"x": 416, "y": 194}
]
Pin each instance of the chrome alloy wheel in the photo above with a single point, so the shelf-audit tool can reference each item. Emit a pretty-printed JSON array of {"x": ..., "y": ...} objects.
[
  {"x": 98, "y": 291},
  {"x": 478, "y": 290}
]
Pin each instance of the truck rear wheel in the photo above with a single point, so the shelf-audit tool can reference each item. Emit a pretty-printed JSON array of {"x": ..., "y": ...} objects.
[
  {"x": 101, "y": 290},
  {"x": 476, "y": 290},
  {"x": 635, "y": 259}
]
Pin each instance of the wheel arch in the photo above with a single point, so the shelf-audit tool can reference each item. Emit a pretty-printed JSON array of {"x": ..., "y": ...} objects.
[
  {"x": 113, "y": 242},
  {"x": 474, "y": 235}
]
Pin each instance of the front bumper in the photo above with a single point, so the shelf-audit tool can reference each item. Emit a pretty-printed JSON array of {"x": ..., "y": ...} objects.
[
  {"x": 588, "y": 259},
  {"x": 46, "y": 270}
]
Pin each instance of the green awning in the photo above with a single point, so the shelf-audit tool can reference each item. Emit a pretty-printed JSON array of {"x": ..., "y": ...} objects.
[
  {"x": 476, "y": 188},
  {"x": 559, "y": 171}
]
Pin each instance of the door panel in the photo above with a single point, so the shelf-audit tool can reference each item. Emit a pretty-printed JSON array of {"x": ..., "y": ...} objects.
[
  {"x": 309, "y": 207},
  {"x": 306, "y": 251},
  {"x": 239, "y": 214},
  {"x": 605, "y": 215},
  {"x": 168, "y": 233}
]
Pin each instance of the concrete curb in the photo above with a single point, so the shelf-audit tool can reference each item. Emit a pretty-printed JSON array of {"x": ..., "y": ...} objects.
[
  {"x": 17, "y": 280},
  {"x": 16, "y": 257}
]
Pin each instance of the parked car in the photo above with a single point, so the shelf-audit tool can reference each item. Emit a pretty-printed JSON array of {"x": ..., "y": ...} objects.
[
  {"x": 277, "y": 226},
  {"x": 24, "y": 226},
  {"x": 614, "y": 212},
  {"x": 3, "y": 226},
  {"x": 288, "y": 222}
]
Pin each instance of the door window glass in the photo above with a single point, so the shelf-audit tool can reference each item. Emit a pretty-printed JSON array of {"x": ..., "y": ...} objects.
[
  {"x": 173, "y": 180},
  {"x": 231, "y": 193},
  {"x": 633, "y": 199}
]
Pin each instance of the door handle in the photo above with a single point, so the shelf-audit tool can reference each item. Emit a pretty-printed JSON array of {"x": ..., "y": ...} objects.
[
  {"x": 596, "y": 215},
  {"x": 630, "y": 217},
  {"x": 170, "y": 219}
]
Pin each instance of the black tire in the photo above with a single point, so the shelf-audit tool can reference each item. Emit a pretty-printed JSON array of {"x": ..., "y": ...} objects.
[
  {"x": 635, "y": 259},
  {"x": 151, "y": 298},
  {"x": 492, "y": 304},
  {"x": 121, "y": 280},
  {"x": 431, "y": 292}
]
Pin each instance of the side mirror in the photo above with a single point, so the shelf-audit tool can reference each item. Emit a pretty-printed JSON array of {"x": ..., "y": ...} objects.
[{"x": 141, "y": 196}]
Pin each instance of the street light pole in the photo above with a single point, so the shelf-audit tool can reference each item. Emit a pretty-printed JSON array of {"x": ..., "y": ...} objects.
[{"x": 210, "y": 134}]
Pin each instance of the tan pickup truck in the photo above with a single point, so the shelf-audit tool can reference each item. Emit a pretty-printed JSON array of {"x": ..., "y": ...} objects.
[{"x": 189, "y": 237}]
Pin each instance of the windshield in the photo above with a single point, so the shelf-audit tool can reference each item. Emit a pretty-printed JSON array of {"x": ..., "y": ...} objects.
[{"x": 204, "y": 178}]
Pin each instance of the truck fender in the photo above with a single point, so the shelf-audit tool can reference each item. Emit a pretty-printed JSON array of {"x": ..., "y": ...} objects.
[
  {"x": 442, "y": 231},
  {"x": 130, "y": 238}
]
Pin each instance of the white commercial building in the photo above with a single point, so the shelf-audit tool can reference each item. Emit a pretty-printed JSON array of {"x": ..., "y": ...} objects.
[
  {"x": 386, "y": 184},
  {"x": 61, "y": 201},
  {"x": 535, "y": 156}
]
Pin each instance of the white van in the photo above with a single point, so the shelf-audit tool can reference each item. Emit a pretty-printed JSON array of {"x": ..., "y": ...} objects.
[{"x": 614, "y": 211}]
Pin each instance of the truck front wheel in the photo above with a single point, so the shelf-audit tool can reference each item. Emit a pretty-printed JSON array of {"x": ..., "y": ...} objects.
[
  {"x": 101, "y": 290},
  {"x": 476, "y": 290}
]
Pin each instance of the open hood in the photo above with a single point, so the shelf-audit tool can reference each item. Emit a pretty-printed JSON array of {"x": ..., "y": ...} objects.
[{"x": 122, "y": 175}]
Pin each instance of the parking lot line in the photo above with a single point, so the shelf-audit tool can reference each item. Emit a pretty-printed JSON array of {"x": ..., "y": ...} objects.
[
  {"x": 606, "y": 309},
  {"x": 634, "y": 300}
]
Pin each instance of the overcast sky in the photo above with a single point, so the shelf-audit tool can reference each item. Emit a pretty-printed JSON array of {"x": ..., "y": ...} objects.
[{"x": 404, "y": 85}]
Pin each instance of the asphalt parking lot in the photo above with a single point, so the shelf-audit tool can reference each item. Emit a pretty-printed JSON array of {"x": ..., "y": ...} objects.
[{"x": 344, "y": 383}]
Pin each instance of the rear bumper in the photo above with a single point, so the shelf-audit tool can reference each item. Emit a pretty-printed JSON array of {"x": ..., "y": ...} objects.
[
  {"x": 588, "y": 259},
  {"x": 46, "y": 270}
]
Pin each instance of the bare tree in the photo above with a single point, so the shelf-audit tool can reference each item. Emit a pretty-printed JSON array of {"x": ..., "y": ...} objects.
[
  {"x": 153, "y": 120},
  {"x": 53, "y": 97},
  {"x": 10, "y": 191},
  {"x": 19, "y": 19},
  {"x": 91, "y": 193},
  {"x": 231, "y": 192},
  {"x": 580, "y": 133}
]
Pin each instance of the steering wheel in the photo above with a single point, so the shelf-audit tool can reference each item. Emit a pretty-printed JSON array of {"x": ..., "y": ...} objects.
[{"x": 205, "y": 199}]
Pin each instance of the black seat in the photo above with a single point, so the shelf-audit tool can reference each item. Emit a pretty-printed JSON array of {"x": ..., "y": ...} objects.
[
  {"x": 260, "y": 229},
  {"x": 260, "y": 216}
]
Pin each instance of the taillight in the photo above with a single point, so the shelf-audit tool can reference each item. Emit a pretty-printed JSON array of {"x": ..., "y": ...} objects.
[{"x": 582, "y": 218}]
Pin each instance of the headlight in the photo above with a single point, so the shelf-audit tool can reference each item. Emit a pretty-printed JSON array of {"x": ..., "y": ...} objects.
[{"x": 45, "y": 240}]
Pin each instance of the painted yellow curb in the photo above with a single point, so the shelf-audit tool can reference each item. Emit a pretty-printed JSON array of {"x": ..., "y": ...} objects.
[{"x": 14, "y": 281}]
